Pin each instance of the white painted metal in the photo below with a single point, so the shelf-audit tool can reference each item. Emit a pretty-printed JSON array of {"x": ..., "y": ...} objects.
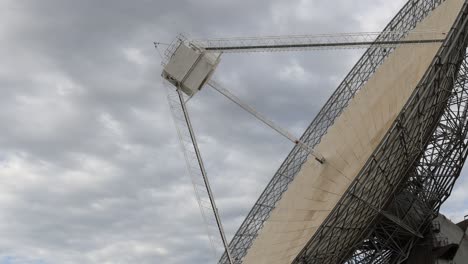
[
  {"x": 314, "y": 42},
  {"x": 189, "y": 68}
]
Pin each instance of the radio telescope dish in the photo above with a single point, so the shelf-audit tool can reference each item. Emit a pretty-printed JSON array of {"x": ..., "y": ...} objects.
[{"x": 369, "y": 174}]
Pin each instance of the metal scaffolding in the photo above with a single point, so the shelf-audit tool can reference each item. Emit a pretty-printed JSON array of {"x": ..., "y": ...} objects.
[
  {"x": 389, "y": 205},
  {"x": 197, "y": 172},
  {"x": 411, "y": 172},
  {"x": 385, "y": 39}
]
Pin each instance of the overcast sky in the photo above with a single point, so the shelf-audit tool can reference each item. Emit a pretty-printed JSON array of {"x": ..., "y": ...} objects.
[{"x": 90, "y": 167}]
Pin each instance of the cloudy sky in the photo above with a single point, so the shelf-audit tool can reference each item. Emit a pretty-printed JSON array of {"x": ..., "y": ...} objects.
[{"x": 90, "y": 167}]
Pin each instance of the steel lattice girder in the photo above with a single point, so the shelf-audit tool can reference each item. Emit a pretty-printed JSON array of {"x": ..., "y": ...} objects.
[
  {"x": 404, "y": 21},
  {"x": 430, "y": 184},
  {"x": 401, "y": 187}
]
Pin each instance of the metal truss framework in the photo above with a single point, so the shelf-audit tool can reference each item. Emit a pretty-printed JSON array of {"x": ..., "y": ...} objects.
[
  {"x": 196, "y": 171},
  {"x": 427, "y": 187},
  {"x": 389, "y": 205},
  {"x": 316, "y": 42},
  {"x": 334, "y": 242}
]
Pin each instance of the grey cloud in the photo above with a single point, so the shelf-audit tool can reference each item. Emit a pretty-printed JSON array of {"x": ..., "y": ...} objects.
[{"x": 90, "y": 167}]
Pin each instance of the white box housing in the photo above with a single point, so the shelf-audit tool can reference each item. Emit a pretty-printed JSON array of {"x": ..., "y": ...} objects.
[{"x": 189, "y": 68}]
